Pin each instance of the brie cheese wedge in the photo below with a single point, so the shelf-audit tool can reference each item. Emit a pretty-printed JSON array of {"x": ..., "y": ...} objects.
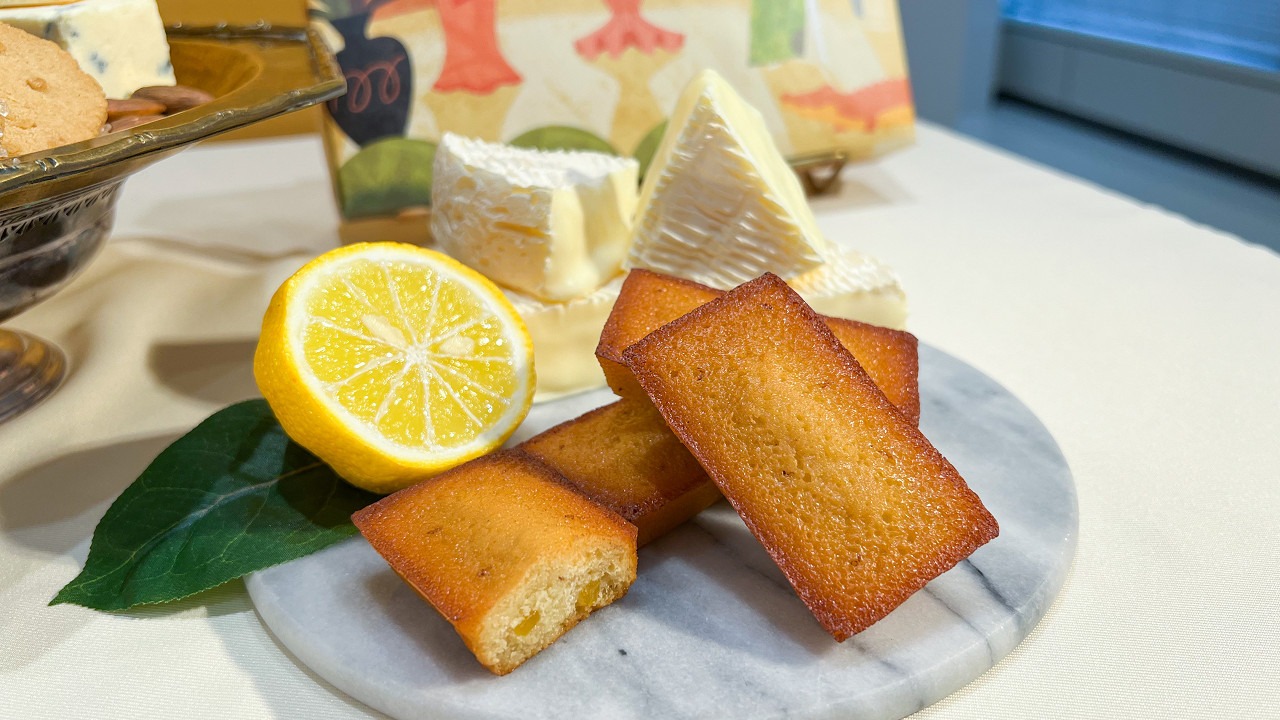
[
  {"x": 854, "y": 286},
  {"x": 719, "y": 204},
  {"x": 565, "y": 335},
  {"x": 552, "y": 225}
]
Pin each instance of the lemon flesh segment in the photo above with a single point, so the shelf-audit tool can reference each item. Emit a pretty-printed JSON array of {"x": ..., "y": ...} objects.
[
  {"x": 418, "y": 361},
  {"x": 435, "y": 377}
]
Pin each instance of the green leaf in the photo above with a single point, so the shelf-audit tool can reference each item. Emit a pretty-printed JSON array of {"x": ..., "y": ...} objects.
[
  {"x": 386, "y": 177},
  {"x": 563, "y": 137},
  {"x": 648, "y": 146},
  {"x": 232, "y": 496}
]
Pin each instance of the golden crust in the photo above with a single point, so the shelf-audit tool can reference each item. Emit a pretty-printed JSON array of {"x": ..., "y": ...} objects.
[
  {"x": 624, "y": 457},
  {"x": 646, "y": 301},
  {"x": 468, "y": 539},
  {"x": 891, "y": 357},
  {"x": 853, "y": 503},
  {"x": 50, "y": 100},
  {"x": 649, "y": 300}
]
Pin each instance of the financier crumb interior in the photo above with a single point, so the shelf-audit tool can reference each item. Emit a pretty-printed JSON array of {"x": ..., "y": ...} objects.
[{"x": 505, "y": 551}]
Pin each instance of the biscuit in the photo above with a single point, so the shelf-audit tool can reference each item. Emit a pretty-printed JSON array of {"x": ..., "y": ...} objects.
[
  {"x": 49, "y": 100},
  {"x": 623, "y": 457},
  {"x": 649, "y": 300},
  {"x": 851, "y": 501},
  {"x": 505, "y": 551}
]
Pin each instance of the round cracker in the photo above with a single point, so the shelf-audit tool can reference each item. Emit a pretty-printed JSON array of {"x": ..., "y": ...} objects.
[{"x": 50, "y": 100}]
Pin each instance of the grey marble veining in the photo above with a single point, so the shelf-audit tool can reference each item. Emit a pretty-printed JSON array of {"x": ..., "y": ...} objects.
[{"x": 710, "y": 628}]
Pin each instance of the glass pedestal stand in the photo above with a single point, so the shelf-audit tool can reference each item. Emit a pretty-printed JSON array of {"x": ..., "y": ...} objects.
[{"x": 30, "y": 370}]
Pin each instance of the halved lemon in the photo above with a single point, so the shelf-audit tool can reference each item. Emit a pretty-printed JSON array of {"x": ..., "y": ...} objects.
[{"x": 393, "y": 363}]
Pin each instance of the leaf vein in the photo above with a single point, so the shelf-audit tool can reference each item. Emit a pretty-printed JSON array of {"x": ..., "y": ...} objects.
[{"x": 146, "y": 548}]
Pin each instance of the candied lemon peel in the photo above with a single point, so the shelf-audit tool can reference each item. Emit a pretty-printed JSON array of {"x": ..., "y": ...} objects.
[{"x": 393, "y": 363}]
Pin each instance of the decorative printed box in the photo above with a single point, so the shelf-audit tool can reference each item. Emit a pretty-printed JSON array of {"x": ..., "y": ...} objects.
[{"x": 829, "y": 76}]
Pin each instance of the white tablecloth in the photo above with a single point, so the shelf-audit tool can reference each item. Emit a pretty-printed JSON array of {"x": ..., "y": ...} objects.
[{"x": 1149, "y": 346}]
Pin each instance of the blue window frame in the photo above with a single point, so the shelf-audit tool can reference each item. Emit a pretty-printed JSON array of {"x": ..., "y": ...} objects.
[
  {"x": 1239, "y": 32},
  {"x": 1203, "y": 75}
]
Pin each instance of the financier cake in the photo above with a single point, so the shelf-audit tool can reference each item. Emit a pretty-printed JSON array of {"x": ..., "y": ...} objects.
[
  {"x": 625, "y": 458},
  {"x": 649, "y": 300},
  {"x": 49, "y": 100},
  {"x": 855, "y": 506},
  {"x": 505, "y": 551}
]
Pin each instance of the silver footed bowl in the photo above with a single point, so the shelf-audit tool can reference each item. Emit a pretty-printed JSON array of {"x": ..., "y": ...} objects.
[
  {"x": 57, "y": 206},
  {"x": 44, "y": 244}
]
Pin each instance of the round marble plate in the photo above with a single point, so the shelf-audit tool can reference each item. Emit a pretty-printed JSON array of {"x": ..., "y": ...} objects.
[{"x": 711, "y": 628}]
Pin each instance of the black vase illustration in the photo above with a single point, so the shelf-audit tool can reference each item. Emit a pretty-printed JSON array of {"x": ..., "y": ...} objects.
[{"x": 379, "y": 82}]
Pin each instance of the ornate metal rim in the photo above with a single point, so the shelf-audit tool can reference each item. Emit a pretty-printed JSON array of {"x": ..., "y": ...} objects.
[{"x": 273, "y": 91}]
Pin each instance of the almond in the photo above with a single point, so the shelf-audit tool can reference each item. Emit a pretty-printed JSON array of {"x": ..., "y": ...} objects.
[
  {"x": 117, "y": 109},
  {"x": 175, "y": 98}
]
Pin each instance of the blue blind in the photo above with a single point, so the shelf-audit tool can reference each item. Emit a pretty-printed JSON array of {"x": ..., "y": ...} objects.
[{"x": 1242, "y": 32}]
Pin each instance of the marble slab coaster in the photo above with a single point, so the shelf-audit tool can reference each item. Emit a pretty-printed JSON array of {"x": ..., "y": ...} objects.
[{"x": 711, "y": 628}]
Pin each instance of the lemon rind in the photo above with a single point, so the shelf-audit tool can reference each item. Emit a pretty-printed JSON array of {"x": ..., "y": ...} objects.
[{"x": 385, "y": 464}]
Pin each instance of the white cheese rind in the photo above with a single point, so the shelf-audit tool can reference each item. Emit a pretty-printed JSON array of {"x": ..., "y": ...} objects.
[
  {"x": 719, "y": 203},
  {"x": 565, "y": 335},
  {"x": 119, "y": 43},
  {"x": 553, "y": 225},
  {"x": 854, "y": 286}
]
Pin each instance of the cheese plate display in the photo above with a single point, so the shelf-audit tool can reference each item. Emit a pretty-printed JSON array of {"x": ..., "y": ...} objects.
[{"x": 557, "y": 230}]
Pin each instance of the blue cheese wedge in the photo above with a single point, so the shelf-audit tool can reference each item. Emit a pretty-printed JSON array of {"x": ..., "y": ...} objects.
[
  {"x": 119, "y": 43},
  {"x": 552, "y": 225},
  {"x": 719, "y": 204}
]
